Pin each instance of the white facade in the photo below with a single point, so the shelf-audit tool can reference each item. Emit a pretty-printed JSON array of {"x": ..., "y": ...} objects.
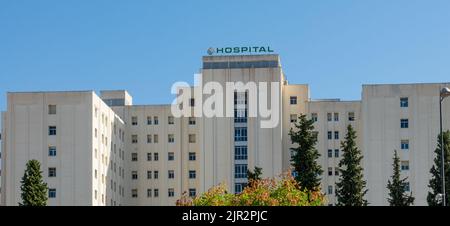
[{"x": 111, "y": 152}]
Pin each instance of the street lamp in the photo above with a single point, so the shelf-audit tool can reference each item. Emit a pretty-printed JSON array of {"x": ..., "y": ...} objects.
[{"x": 445, "y": 92}]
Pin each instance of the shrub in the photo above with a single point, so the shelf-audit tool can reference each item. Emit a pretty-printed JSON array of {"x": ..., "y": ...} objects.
[{"x": 265, "y": 192}]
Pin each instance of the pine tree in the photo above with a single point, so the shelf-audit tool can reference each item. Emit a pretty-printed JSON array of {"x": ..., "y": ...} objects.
[
  {"x": 397, "y": 186},
  {"x": 305, "y": 155},
  {"x": 34, "y": 190},
  {"x": 255, "y": 175},
  {"x": 350, "y": 190},
  {"x": 436, "y": 172}
]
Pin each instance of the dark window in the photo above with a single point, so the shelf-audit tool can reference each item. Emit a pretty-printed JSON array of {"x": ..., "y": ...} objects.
[
  {"x": 191, "y": 156},
  {"x": 404, "y": 123},
  {"x": 404, "y": 102},
  {"x": 52, "y": 130},
  {"x": 293, "y": 100}
]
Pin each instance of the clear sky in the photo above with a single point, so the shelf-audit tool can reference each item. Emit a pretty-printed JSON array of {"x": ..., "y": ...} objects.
[{"x": 146, "y": 46}]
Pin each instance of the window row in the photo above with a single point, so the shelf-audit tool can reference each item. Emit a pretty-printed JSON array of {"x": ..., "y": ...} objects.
[
  {"x": 155, "y": 174},
  {"x": 155, "y": 120},
  {"x": 155, "y": 192},
  {"x": 155, "y": 138}
]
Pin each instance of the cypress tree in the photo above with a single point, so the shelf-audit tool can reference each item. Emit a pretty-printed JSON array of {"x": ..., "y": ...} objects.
[
  {"x": 436, "y": 172},
  {"x": 350, "y": 190},
  {"x": 34, "y": 190},
  {"x": 304, "y": 158},
  {"x": 254, "y": 175},
  {"x": 397, "y": 196}
]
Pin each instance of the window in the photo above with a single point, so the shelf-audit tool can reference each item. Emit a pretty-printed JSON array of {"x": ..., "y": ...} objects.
[
  {"x": 156, "y": 192},
  {"x": 52, "y": 151},
  {"x": 170, "y": 156},
  {"x": 240, "y": 152},
  {"x": 191, "y": 156},
  {"x": 95, "y": 174},
  {"x": 336, "y": 153},
  {"x": 330, "y": 153},
  {"x": 170, "y": 120},
  {"x": 404, "y": 123},
  {"x": 192, "y": 102},
  {"x": 155, "y": 138},
  {"x": 336, "y": 135},
  {"x": 240, "y": 171},
  {"x": 52, "y": 130},
  {"x": 149, "y": 193},
  {"x": 330, "y": 135},
  {"x": 330, "y": 189},
  {"x": 52, "y": 193},
  {"x": 171, "y": 138},
  {"x": 149, "y": 174},
  {"x": 336, "y": 171},
  {"x": 330, "y": 171},
  {"x": 149, "y": 139},
  {"x": 329, "y": 117},
  {"x": 155, "y": 120},
  {"x": 407, "y": 187},
  {"x": 404, "y": 102},
  {"x": 155, "y": 174},
  {"x": 134, "y": 175},
  {"x": 351, "y": 116},
  {"x": 240, "y": 134},
  {"x": 171, "y": 174},
  {"x": 95, "y": 132},
  {"x": 171, "y": 192},
  {"x": 52, "y": 109},
  {"x": 192, "y": 192},
  {"x": 149, "y": 156},
  {"x": 238, "y": 187},
  {"x": 134, "y": 157},
  {"x": 314, "y": 117},
  {"x": 95, "y": 194},
  {"x": 293, "y": 118},
  {"x": 191, "y": 121},
  {"x": 134, "y": 193},
  {"x": 51, "y": 172},
  {"x": 404, "y": 165},
  {"x": 149, "y": 120},
  {"x": 155, "y": 156},
  {"x": 336, "y": 117},
  {"x": 293, "y": 100},
  {"x": 134, "y": 121},
  {"x": 404, "y": 144},
  {"x": 191, "y": 138},
  {"x": 134, "y": 139},
  {"x": 192, "y": 174}
]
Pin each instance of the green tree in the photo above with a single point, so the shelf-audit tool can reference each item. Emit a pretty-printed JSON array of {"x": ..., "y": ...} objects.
[
  {"x": 436, "y": 172},
  {"x": 305, "y": 155},
  {"x": 34, "y": 190},
  {"x": 397, "y": 196},
  {"x": 350, "y": 190},
  {"x": 254, "y": 175}
]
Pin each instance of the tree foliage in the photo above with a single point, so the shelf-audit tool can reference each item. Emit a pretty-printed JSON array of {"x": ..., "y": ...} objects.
[
  {"x": 350, "y": 190},
  {"x": 33, "y": 188},
  {"x": 305, "y": 155},
  {"x": 264, "y": 192},
  {"x": 435, "y": 183},
  {"x": 397, "y": 187}
]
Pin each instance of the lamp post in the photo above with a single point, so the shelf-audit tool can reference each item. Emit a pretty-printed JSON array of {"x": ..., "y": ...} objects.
[{"x": 445, "y": 92}]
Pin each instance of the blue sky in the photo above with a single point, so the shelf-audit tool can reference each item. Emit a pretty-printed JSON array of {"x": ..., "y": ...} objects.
[{"x": 146, "y": 46}]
